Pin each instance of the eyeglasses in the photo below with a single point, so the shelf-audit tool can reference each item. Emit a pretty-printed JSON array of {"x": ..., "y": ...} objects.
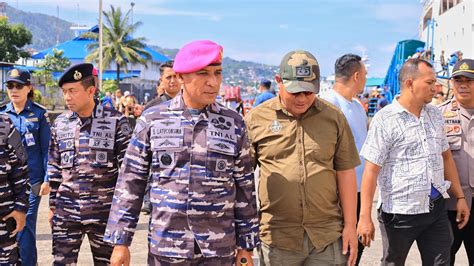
[
  {"x": 18, "y": 86},
  {"x": 305, "y": 93}
]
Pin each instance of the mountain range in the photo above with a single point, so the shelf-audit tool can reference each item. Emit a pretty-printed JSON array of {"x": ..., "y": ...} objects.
[{"x": 48, "y": 31}]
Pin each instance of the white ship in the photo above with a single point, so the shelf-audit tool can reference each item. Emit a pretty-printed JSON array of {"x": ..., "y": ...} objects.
[{"x": 448, "y": 25}]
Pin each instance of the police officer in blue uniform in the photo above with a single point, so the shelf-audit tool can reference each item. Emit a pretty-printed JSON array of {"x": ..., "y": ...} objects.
[{"x": 31, "y": 120}]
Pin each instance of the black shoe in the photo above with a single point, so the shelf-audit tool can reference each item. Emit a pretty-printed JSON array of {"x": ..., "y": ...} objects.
[{"x": 146, "y": 211}]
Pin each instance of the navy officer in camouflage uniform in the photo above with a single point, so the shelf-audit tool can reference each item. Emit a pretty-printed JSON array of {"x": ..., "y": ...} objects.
[
  {"x": 14, "y": 190},
  {"x": 202, "y": 185},
  {"x": 87, "y": 146}
]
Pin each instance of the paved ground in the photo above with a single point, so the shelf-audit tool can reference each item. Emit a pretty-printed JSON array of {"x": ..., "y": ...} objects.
[{"x": 139, "y": 247}]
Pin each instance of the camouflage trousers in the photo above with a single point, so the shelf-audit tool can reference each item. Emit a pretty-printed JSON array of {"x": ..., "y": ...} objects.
[
  {"x": 8, "y": 247},
  {"x": 154, "y": 260},
  {"x": 67, "y": 240}
]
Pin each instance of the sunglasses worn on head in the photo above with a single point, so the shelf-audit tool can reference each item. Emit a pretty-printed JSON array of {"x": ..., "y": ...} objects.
[{"x": 19, "y": 86}]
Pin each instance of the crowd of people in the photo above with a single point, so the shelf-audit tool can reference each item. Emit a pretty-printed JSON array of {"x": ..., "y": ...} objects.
[{"x": 189, "y": 162}]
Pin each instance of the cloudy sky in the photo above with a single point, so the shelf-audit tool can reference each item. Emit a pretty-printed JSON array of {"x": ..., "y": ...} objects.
[{"x": 263, "y": 30}]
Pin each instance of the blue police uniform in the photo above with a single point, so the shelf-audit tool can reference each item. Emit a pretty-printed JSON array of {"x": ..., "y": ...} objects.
[{"x": 33, "y": 124}]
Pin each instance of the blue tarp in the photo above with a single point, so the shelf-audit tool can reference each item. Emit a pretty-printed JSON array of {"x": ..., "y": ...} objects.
[
  {"x": 108, "y": 75},
  {"x": 403, "y": 50}
]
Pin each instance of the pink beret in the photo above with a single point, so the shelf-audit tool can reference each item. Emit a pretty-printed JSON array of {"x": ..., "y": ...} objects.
[{"x": 197, "y": 55}]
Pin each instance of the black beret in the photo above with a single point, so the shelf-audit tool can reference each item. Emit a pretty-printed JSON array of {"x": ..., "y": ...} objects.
[{"x": 76, "y": 73}]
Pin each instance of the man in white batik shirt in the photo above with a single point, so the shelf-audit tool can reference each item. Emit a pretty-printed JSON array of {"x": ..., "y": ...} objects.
[{"x": 408, "y": 155}]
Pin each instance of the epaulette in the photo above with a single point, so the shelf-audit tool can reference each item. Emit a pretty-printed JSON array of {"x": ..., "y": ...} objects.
[
  {"x": 40, "y": 106},
  {"x": 444, "y": 103}
]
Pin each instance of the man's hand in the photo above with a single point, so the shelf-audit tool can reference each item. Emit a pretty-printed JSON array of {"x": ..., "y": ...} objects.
[
  {"x": 20, "y": 219},
  {"x": 349, "y": 244},
  {"x": 366, "y": 230},
  {"x": 44, "y": 189},
  {"x": 120, "y": 256},
  {"x": 463, "y": 213},
  {"x": 50, "y": 217},
  {"x": 243, "y": 254}
]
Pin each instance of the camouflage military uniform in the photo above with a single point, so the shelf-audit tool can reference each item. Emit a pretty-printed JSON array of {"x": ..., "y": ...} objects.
[
  {"x": 202, "y": 185},
  {"x": 14, "y": 190},
  {"x": 84, "y": 159}
]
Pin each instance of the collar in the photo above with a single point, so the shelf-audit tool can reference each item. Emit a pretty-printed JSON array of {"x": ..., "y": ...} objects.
[
  {"x": 28, "y": 106},
  {"x": 398, "y": 108},
  {"x": 97, "y": 112},
  {"x": 454, "y": 105},
  {"x": 276, "y": 105},
  {"x": 177, "y": 103}
]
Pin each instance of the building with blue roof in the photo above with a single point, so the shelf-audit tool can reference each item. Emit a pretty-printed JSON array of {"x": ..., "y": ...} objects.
[{"x": 137, "y": 79}]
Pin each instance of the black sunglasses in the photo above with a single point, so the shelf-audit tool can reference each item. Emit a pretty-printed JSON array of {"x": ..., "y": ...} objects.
[
  {"x": 306, "y": 93},
  {"x": 11, "y": 86}
]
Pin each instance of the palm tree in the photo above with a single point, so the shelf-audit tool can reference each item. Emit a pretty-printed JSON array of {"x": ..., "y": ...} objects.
[{"x": 118, "y": 45}]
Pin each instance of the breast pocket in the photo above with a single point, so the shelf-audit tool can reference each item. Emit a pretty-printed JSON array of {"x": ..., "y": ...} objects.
[
  {"x": 32, "y": 127},
  {"x": 101, "y": 158},
  {"x": 165, "y": 163},
  {"x": 219, "y": 166}
]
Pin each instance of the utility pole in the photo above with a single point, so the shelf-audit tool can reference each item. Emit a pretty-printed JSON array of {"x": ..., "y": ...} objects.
[
  {"x": 132, "y": 4},
  {"x": 100, "y": 45}
]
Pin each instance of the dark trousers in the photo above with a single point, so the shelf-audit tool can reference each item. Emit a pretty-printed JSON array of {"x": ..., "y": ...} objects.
[
  {"x": 360, "y": 246},
  {"x": 465, "y": 235},
  {"x": 146, "y": 198},
  {"x": 431, "y": 231},
  {"x": 67, "y": 240}
]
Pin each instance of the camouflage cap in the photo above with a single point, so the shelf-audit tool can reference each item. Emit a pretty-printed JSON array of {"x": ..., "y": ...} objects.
[
  {"x": 299, "y": 71},
  {"x": 464, "y": 67}
]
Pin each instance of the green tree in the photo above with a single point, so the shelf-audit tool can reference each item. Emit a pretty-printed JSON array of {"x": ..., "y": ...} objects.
[
  {"x": 12, "y": 38},
  {"x": 109, "y": 86},
  {"x": 55, "y": 62},
  {"x": 119, "y": 46}
]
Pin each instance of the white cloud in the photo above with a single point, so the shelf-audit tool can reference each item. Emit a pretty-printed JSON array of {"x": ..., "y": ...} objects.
[
  {"x": 360, "y": 49},
  {"x": 284, "y": 26}
]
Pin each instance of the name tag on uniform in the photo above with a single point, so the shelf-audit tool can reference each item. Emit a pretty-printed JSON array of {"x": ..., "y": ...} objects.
[
  {"x": 167, "y": 128},
  {"x": 33, "y": 119},
  {"x": 30, "y": 139}
]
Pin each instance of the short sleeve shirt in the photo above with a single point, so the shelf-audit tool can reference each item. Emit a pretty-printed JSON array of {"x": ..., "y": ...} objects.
[
  {"x": 409, "y": 151},
  {"x": 298, "y": 159}
]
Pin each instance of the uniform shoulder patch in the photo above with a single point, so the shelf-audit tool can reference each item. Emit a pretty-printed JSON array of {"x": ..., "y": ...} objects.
[{"x": 39, "y": 105}]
